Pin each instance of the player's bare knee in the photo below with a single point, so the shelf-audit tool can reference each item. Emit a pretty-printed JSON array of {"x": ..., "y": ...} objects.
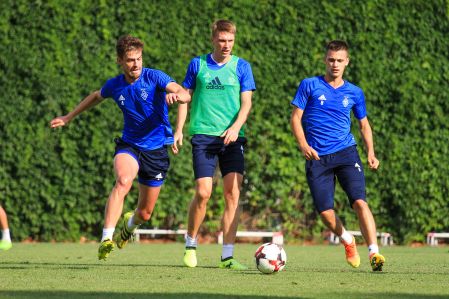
[
  {"x": 232, "y": 195},
  {"x": 359, "y": 205},
  {"x": 202, "y": 196},
  {"x": 123, "y": 183},
  {"x": 327, "y": 215}
]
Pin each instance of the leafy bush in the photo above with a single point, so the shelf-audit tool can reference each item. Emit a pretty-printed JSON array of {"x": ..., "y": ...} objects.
[{"x": 54, "y": 184}]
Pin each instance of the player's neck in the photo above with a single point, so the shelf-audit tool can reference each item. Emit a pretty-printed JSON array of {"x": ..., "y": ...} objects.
[
  {"x": 334, "y": 82},
  {"x": 131, "y": 80},
  {"x": 219, "y": 59}
]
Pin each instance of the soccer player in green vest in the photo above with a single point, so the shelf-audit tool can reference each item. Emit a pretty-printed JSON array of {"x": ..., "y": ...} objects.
[{"x": 221, "y": 85}]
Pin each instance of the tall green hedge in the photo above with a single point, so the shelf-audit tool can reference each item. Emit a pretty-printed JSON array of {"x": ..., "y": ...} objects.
[{"x": 54, "y": 184}]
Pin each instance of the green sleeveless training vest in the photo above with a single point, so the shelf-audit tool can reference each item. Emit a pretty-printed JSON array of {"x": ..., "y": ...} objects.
[{"x": 216, "y": 99}]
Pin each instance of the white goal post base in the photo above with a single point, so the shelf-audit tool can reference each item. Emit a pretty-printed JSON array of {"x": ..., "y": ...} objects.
[
  {"x": 276, "y": 237},
  {"x": 432, "y": 238},
  {"x": 386, "y": 239},
  {"x": 154, "y": 232}
]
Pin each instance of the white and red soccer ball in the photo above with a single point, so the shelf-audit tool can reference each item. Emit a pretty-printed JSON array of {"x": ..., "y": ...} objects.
[{"x": 270, "y": 258}]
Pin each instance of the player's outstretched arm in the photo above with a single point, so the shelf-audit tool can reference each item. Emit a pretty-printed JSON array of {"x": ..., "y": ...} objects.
[
  {"x": 295, "y": 122},
  {"x": 91, "y": 100},
  {"x": 367, "y": 136},
  {"x": 232, "y": 133},
  {"x": 176, "y": 94},
  {"x": 180, "y": 121}
]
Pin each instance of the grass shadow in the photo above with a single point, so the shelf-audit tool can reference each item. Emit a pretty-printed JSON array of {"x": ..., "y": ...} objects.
[{"x": 112, "y": 295}]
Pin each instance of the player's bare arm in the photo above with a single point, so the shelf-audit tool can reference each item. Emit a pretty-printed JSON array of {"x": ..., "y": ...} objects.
[
  {"x": 367, "y": 136},
  {"x": 180, "y": 121},
  {"x": 88, "y": 102},
  {"x": 232, "y": 133},
  {"x": 176, "y": 94},
  {"x": 308, "y": 152}
]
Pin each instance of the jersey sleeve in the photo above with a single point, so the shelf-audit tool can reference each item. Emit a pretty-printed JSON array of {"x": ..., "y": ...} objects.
[
  {"x": 106, "y": 90},
  {"x": 161, "y": 79},
  {"x": 359, "y": 108},
  {"x": 302, "y": 95},
  {"x": 192, "y": 70},
  {"x": 245, "y": 75}
]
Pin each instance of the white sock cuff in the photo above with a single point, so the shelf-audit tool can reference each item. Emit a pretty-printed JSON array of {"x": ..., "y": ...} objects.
[
  {"x": 346, "y": 237},
  {"x": 191, "y": 242},
  {"x": 107, "y": 233},
  {"x": 6, "y": 235},
  {"x": 131, "y": 223},
  {"x": 373, "y": 248},
  {"x": 227, "y": 251}
]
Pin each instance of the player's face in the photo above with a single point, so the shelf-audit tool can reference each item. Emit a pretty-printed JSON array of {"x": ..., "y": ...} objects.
[
  {"x": 336, "y": 62},
  {"x": 223, "y": 43},
  {"x": 131, "y": 64}
]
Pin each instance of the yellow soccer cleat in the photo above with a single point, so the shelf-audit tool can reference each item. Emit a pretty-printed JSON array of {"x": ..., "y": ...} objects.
[
  {"x": 190, "y": 257},
  {"x": 231, "y": 263},
  {"x": 105, "y": 248},
  {"x": 352, "y": 256},
  {"x": 125, "y": 234},
  {"x": 5, "y": 245},
  {"x": 377, "y": 261}
]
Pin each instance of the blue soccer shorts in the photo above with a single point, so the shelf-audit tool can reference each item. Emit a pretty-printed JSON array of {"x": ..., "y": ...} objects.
[
  {"x": 208, "y": 150},
  {"x": 344, "y": 166},
  {"x": 153, "y": 164}
]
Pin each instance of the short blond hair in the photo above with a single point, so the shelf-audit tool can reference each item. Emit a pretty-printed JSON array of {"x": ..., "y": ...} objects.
[
  {"x": 337, "y": 45},
  {"x": 223, "y": 26}
]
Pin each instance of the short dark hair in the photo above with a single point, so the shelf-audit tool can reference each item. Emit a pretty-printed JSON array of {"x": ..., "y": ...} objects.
[
  {"x": 337, "y": 45},
  {"x": 223, "y": 25},
  {"x": 126, "y": 43}
]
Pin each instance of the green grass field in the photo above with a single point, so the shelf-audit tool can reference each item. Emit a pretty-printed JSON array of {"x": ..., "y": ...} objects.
[{"x": 155, "y": 270}]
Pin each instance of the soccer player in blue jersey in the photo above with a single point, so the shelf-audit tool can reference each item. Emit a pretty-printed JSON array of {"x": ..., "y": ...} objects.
[
  {"x": 221, "y": 85},
  {"x": 321, "y": 124},
  {"x": 5, "y": 242},
  {"x": 143, "y": 95}
]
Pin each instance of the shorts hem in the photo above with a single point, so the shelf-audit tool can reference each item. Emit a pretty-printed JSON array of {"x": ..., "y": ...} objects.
[
  {"x": 124, "y": 151},
  {"x": 151, "y": 183}
]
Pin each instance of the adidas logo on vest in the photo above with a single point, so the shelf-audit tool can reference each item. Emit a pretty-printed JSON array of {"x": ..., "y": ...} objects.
[{"x": 215, "y": 84}]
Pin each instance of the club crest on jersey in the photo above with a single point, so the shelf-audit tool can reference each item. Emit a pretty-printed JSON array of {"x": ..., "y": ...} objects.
[
  {"x": 121, "y": 99},
  {"x": 144, "y": 94},
  {"x": 322, "y": 98},
  {"x": 345, "y": 101}
]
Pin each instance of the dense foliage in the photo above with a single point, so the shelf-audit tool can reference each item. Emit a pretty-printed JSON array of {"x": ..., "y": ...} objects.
[{"x": 54, "y": 184}]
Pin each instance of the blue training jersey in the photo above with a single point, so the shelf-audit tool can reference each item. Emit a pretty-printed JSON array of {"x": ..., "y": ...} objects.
[
  {"x": 145, "y": 112},
  {"x": 244, "y": 73},
  {"x": 327, "y": 113}
]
